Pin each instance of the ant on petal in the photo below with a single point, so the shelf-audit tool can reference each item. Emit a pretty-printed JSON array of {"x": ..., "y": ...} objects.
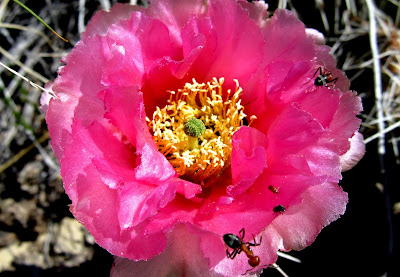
[
  {"x": 237, "y": 244},
  {"x": 324, "y": 78}
]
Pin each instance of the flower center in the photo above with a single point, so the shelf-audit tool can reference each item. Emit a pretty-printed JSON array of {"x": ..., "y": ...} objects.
[{"x": 194, "y": 131}]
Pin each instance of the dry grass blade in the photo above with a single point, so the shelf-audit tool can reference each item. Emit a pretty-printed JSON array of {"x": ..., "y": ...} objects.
[{"x": 23, "y": 152}]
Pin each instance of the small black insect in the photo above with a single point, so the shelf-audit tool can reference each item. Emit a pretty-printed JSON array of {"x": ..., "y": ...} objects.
[
  {"x": 279, "y": 209},
  {"x": 324, "y": 78},
  {"x": 237, "y": 244},
  {"x": 273, "y": 189}
]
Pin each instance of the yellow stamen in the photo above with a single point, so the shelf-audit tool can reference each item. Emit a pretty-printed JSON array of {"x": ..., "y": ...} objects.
[{"x": 222, "y": 115}]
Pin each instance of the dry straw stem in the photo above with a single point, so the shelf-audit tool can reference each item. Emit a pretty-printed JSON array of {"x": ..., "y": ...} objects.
[
  {"x": 358, "y": 21},
  {"x": 279, "y": 269},
  {"x": 377, "y": 75},
  {"x": 23, "y": 152}
]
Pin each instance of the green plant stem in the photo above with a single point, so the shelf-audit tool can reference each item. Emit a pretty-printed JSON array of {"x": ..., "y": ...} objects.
[{"x": 38, "y": 18}]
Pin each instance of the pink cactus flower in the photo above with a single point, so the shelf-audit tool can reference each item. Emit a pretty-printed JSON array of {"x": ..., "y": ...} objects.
[{"x": 182, "y": 122}]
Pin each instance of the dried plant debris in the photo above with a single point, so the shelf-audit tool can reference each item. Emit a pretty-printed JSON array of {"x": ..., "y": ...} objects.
[{"x": 66, "y": 243}]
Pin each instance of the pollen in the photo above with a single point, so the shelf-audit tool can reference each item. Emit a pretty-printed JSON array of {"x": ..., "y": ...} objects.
[{"x": 194, "y": 130}]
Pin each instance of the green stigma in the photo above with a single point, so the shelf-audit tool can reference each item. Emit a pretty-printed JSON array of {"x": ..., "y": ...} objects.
[{"x": 194, "y": 127}]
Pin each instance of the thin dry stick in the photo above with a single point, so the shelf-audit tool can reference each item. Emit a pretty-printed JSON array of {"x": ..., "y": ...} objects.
[
  {"x": 23, "y": 28},
  {"x": 105, "y": 4},
  {"x": 372, "y": 12},
  {"x": 377, "y": 76},
  {"x": 23, "y": 152},
  {"x": 384, "y": 131},
  {"x": 81, "y": 16},
  {"x": 289, "y": 257},
  {"x": 280, "y": 270},
  {"x": 3, "y": 9},
  {"x": 30, "y": 82},
  {"x": 24, "y": 67},
  {"x": 320, "y": 6}
]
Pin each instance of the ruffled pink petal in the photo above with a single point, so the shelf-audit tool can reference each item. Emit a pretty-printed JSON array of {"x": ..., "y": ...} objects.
[
  {"x": 310, "y": 98},
  {"x": 181, "y": 257},
  {"x": 150, "y": 32},
  {"x": 355, "y": 153},
  {"x": 248, "y": 159},
  {"x": 96, "y": 208},
  {"x": 205, "y": 47},
  {"x": 139, "y": 201},
  {"x": 298, "y": 226},
  {"x": 153, "y": 167},
  {"x": 258, "y": 11},
  {"x": 344, "y": 123},
  {"x": 102, "y": 20},
  {"x": 316, "y": 35},
  {"x": 90, "y": 146},
  {"x": 124, "y": 66},
  {"x": 45, "y": 97},
  {"x": 291, "y": 132},
  {"x": 293, "y": 44},
  {"x": 188, "y": 189},
  {"x": 176, "y": 16},
  {"x": 170, "y": 74},
  {"x": 125, "y": 110},
  {"x": 226, "y": 40},
  {"x": 180, "y": 210},
  {"x": 77, "y": 91},
  {"x": 325, "y": 59}
]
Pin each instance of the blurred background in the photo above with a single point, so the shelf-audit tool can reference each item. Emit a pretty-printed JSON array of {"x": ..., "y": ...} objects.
[{"x": 39, "y": 236}]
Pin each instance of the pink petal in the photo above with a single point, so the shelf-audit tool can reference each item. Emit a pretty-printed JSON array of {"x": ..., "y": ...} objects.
[
  {"x": 102, "y": 20},
  {"x": 298, "y": 226},
  {"x": 124, "y": 67},
  {"x": 77, "y": 91},
  {"x": 96, "y": 207},
  {"x": 175, "y": 16},
  {"x": 325, "y": 59},
  {"x": 181, "y": 257},
  {"x": 90, "y": 146},
  {"x": 293, "y": 44},
  {"x": 248, "y": 159},
  {"x": 355, "y": 153},
  {"x": 316, "y": 35},
  {"x": 258, "y": 11},
  {"x": 344, "y": 123},
  {"x": 139, "y": 201},
  {"x": 126, "y": 112}
]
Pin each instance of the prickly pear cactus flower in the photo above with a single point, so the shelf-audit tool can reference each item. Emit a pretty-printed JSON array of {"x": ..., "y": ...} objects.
[{"x": 194, "y": 128}]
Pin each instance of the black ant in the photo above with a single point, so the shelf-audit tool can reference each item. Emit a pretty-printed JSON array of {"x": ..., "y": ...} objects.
[
  {"x": 237, "y": 244},
  {"x": 324, "y": 78},
  {"x": 279, "y": 209}
]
